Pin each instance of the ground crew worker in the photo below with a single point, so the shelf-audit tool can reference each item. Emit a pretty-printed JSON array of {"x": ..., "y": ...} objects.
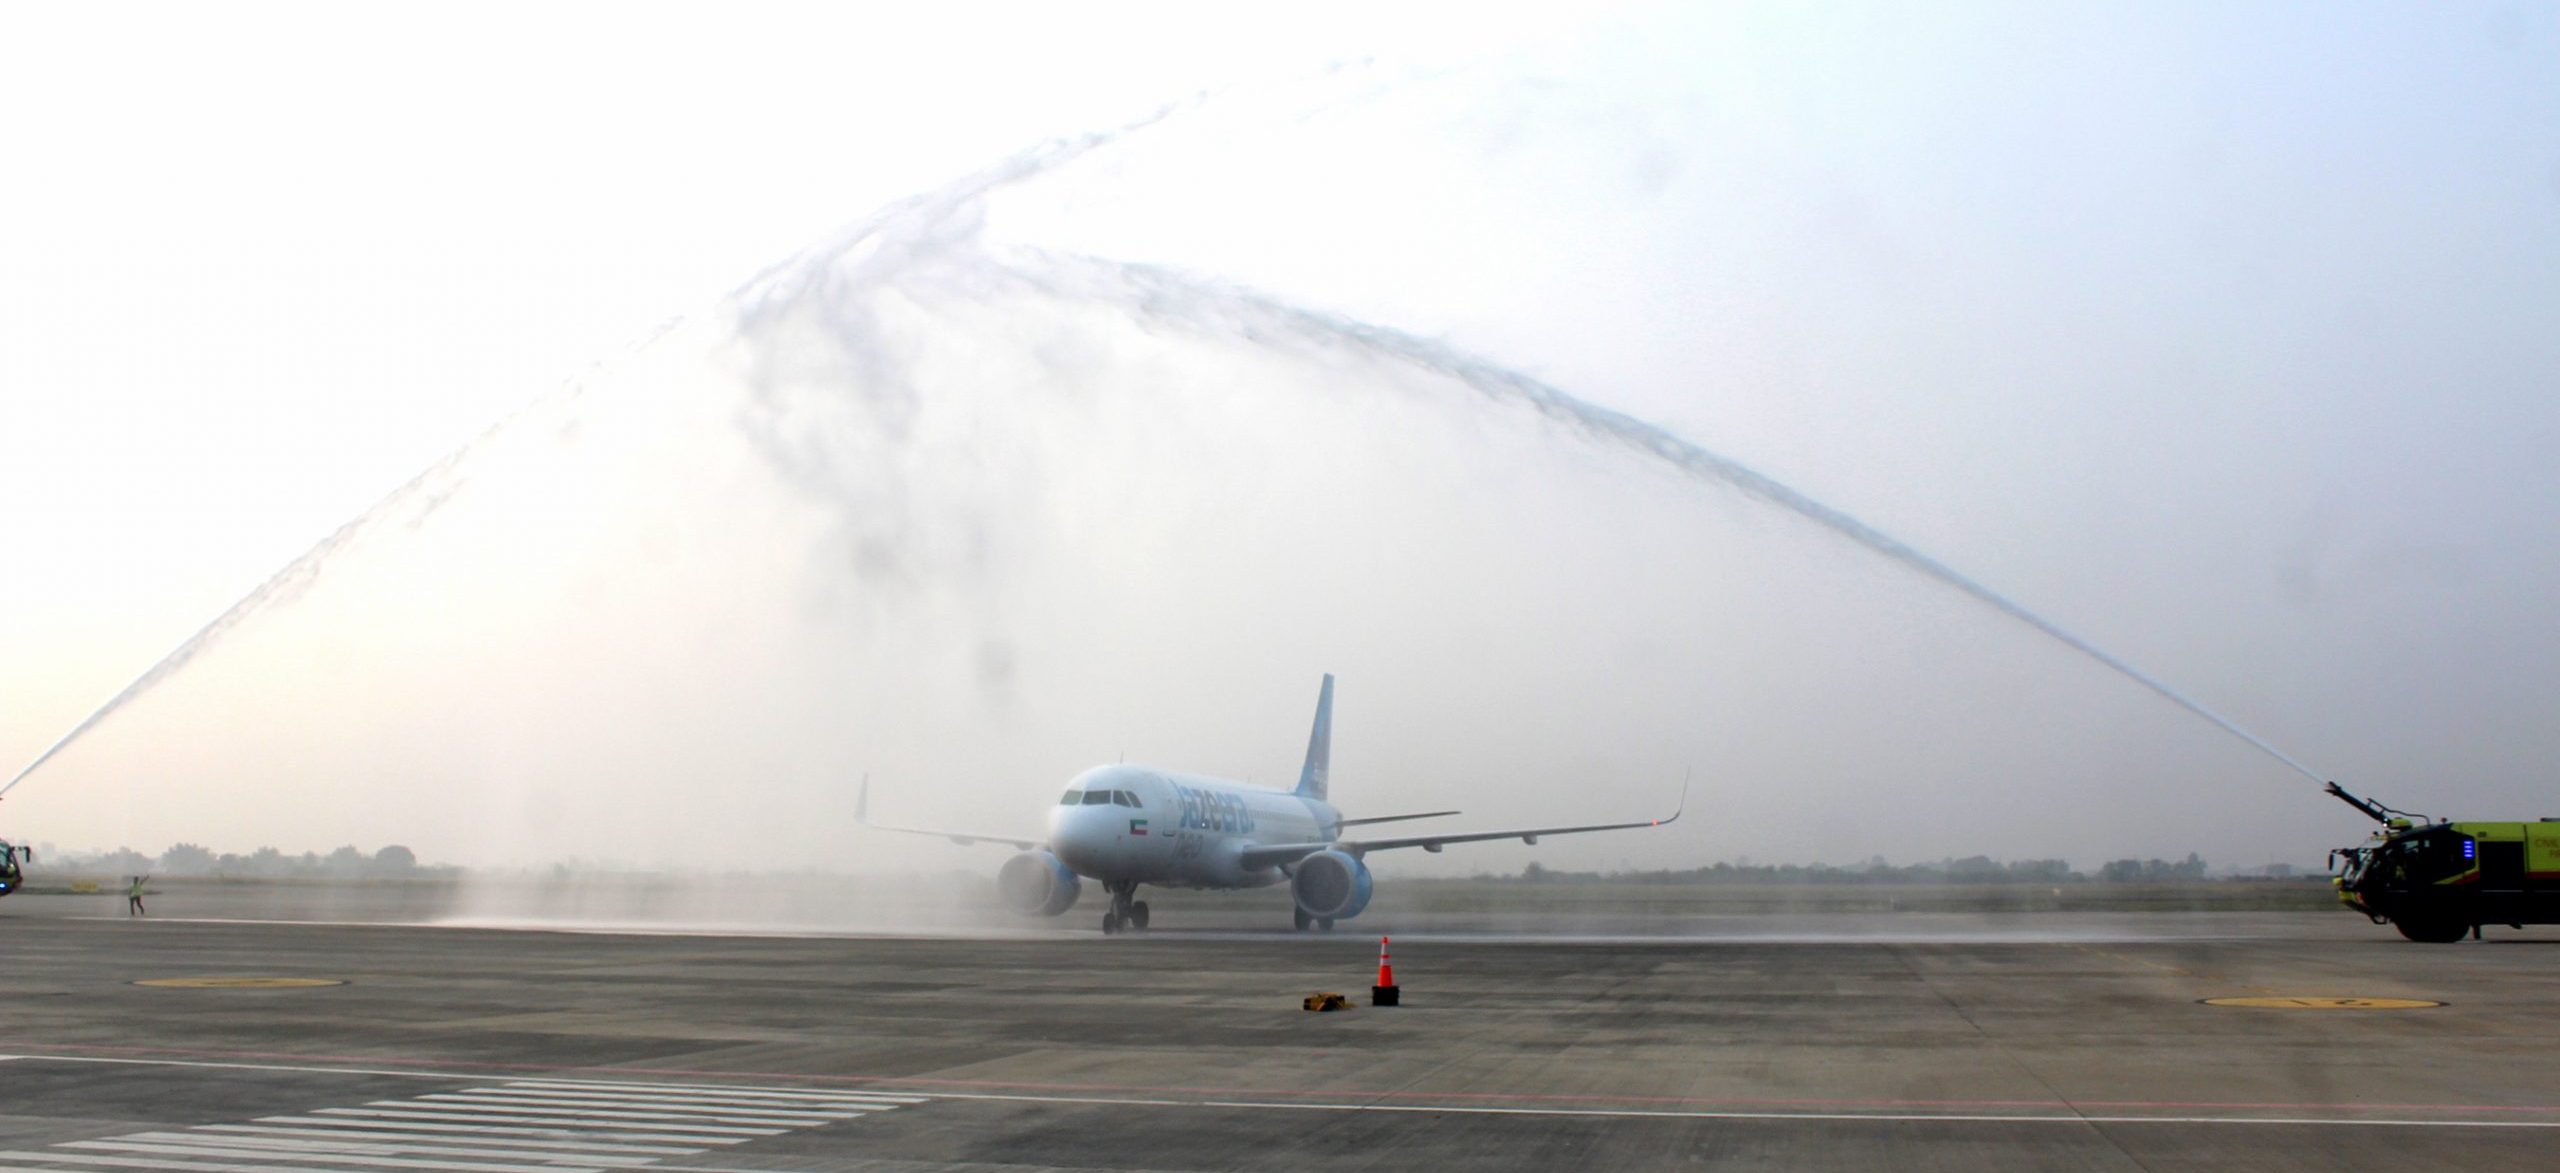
[{"x": 133, "y": 897}]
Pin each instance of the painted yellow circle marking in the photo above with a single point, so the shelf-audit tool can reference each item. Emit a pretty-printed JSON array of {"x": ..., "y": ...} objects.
[
  {"x": 239, "y": 983},
  {"x": 2325, "y": 1003}
]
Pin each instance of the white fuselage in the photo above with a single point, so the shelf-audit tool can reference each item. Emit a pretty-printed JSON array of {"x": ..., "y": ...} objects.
[{"x": 1141, "y": 825}]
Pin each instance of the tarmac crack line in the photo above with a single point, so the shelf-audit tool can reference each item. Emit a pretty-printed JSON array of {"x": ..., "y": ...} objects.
[
  {"x": 1910, "y": 964},
  {"x": 2215, "y": 979}
]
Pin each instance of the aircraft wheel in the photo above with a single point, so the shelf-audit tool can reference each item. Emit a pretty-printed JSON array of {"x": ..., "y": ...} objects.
[
  {"x": 1301, "y": 919},
  {"x": 1110, "y": 924},
  {"x": 1324, "y": 924},
  {"x": 1138, "y": 916}
]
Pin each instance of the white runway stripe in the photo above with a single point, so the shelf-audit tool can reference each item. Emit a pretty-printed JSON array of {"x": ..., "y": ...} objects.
[
  {"x": 461, "y": 1116},
  {"x": 714, "y": 1090},
  {"x": 737, "y": 1103},
  {"x": 674, "y": 1101},
  {"x": 85, "y": 1160},
  {"x": 503, "y": 1130},
  {"x": 144, "y": 1163},
  {"x": 522, "y": 1126},
  {"x": 502, "y": 1096},
  {"x": 475, "y": 1135},
  {"x": 235, "y": 1153},
  {"x": 544, "y": 1095},
  {"x": 609, "y": 1114},
  {"x": 439, "y": 1147},
  {"x": 463, "y": 1101}
]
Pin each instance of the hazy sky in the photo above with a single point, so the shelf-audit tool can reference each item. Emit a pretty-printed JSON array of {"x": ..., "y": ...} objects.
[{"x": 2222, "y": 337}]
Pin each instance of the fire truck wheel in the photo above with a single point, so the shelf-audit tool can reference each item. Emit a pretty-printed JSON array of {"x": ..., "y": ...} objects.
[{"x": 2433, "y": 929}]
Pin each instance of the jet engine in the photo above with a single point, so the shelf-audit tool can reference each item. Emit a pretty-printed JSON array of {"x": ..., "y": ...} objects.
[
  {"x": 1330, "y": 885},
  {"x": 1034, "y": 883}
]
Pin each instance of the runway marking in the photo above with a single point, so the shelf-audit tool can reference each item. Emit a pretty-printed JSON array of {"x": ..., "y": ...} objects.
[
  {"x": 507, "y": 1072},
  {"x": 361, "y": 1136},
  {"x": 536, "y": 1096},
  {"x": 231, "y": 1151},
  {"x": 507, "y": 1126},
  {"x": 606, "y": 1110},
  {"x": 705, "y": 1105},
  {"x": 456, "y": 1115},
  {"x": 2323, "y": 1003},
  {"x": 500, "y": 1130},
  {"x": 239, "y": 982},
  {"x": 712, "y": 1091},
  {"x": 354, "y": 1150},
  {"x": 81, "y": 1162}
]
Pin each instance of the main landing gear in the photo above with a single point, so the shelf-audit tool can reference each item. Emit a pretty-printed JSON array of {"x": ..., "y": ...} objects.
[
  {"x": 1322, "y": 924},
  {"x": 1127, "y": 911}
]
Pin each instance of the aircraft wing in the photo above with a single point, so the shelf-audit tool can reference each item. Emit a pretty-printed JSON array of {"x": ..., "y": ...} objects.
[
  {"x": 862, "y": 815},
  {"x": 1394, "y": 818},
  {"x": 1280, "y": 854}
]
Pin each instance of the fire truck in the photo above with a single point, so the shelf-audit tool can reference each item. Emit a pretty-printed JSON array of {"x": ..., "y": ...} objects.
[{"x": 2439, "y": 881}]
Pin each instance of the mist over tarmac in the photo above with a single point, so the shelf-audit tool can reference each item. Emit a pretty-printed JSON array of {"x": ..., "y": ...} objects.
[{"x": 1108, "y": 452}]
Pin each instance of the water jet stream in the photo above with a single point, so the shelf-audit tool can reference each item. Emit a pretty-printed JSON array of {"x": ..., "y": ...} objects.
[
  {"x": 919, "y": 222},
  {"x": 1200, "y": 305},
  {"x": 282, "y": 587}
]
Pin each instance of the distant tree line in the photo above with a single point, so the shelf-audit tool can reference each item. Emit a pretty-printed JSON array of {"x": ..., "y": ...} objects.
[
  {"x": 2126, "y": 871},
  {"x": 188, "y": 859},
  {"x": 1974, "y": 869}
]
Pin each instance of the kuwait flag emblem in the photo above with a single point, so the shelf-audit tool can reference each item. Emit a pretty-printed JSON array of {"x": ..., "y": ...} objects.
[{"x": 1137, "y": 826}]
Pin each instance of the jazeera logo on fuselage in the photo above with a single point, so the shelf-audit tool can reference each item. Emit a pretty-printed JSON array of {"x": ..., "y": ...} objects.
[{"x": 1208, "y": 810}]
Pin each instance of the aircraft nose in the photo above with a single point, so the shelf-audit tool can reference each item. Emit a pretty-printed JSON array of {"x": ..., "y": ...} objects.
[{"x": 1081, "y": 834}]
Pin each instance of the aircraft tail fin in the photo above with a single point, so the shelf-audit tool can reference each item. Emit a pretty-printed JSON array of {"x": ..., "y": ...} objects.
[{"x": 1311, "y": 777}]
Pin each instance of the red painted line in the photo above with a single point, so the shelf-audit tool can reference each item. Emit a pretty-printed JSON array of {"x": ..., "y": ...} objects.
[{"x": 33, "y": 1050}]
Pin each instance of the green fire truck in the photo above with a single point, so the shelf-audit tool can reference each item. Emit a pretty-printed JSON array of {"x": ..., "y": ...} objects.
[{"x": 2438, "y": 881}]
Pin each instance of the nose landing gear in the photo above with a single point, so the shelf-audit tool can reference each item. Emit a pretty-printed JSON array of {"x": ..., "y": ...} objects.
[{"x": 1128, "y": 913}]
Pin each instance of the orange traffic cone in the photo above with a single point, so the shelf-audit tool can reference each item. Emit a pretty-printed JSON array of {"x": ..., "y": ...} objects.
[{"x": 1385, "y": 992}]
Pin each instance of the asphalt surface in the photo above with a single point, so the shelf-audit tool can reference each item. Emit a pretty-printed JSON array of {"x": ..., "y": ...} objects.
[{"x": 1902, "y": 1042}]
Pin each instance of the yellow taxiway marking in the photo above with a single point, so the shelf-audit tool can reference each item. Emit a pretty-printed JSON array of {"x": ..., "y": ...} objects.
[
  {"x": 2325, "y": 1003},
  {"x": 237, "y": 982},
  {"x": 2265, "y": 997}
]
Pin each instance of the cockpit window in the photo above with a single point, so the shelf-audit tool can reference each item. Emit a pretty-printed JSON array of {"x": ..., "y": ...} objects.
[
  {"x": 1097, "y": 798},
  {"x": 1071, "y": 798},
  {"x": 1123, "y": 798}
]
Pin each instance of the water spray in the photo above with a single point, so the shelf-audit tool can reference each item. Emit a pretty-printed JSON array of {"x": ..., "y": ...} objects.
[
  {"x": 429, "y": 489},
  {"x": 918, "y": 223},
  {"x": 945, "y": 225},
  {"x": 1201, "y": 305}
]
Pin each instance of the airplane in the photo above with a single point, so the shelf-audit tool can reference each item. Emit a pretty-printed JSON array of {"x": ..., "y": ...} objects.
[{"x": 1130, "y": 825}]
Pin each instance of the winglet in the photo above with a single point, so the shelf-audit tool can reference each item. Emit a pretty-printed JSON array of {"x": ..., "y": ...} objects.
[
  {"x": 1684, "y": 803},
  {"x": 1311, "y": 778},
  {"x": 862, "y": 801}
]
